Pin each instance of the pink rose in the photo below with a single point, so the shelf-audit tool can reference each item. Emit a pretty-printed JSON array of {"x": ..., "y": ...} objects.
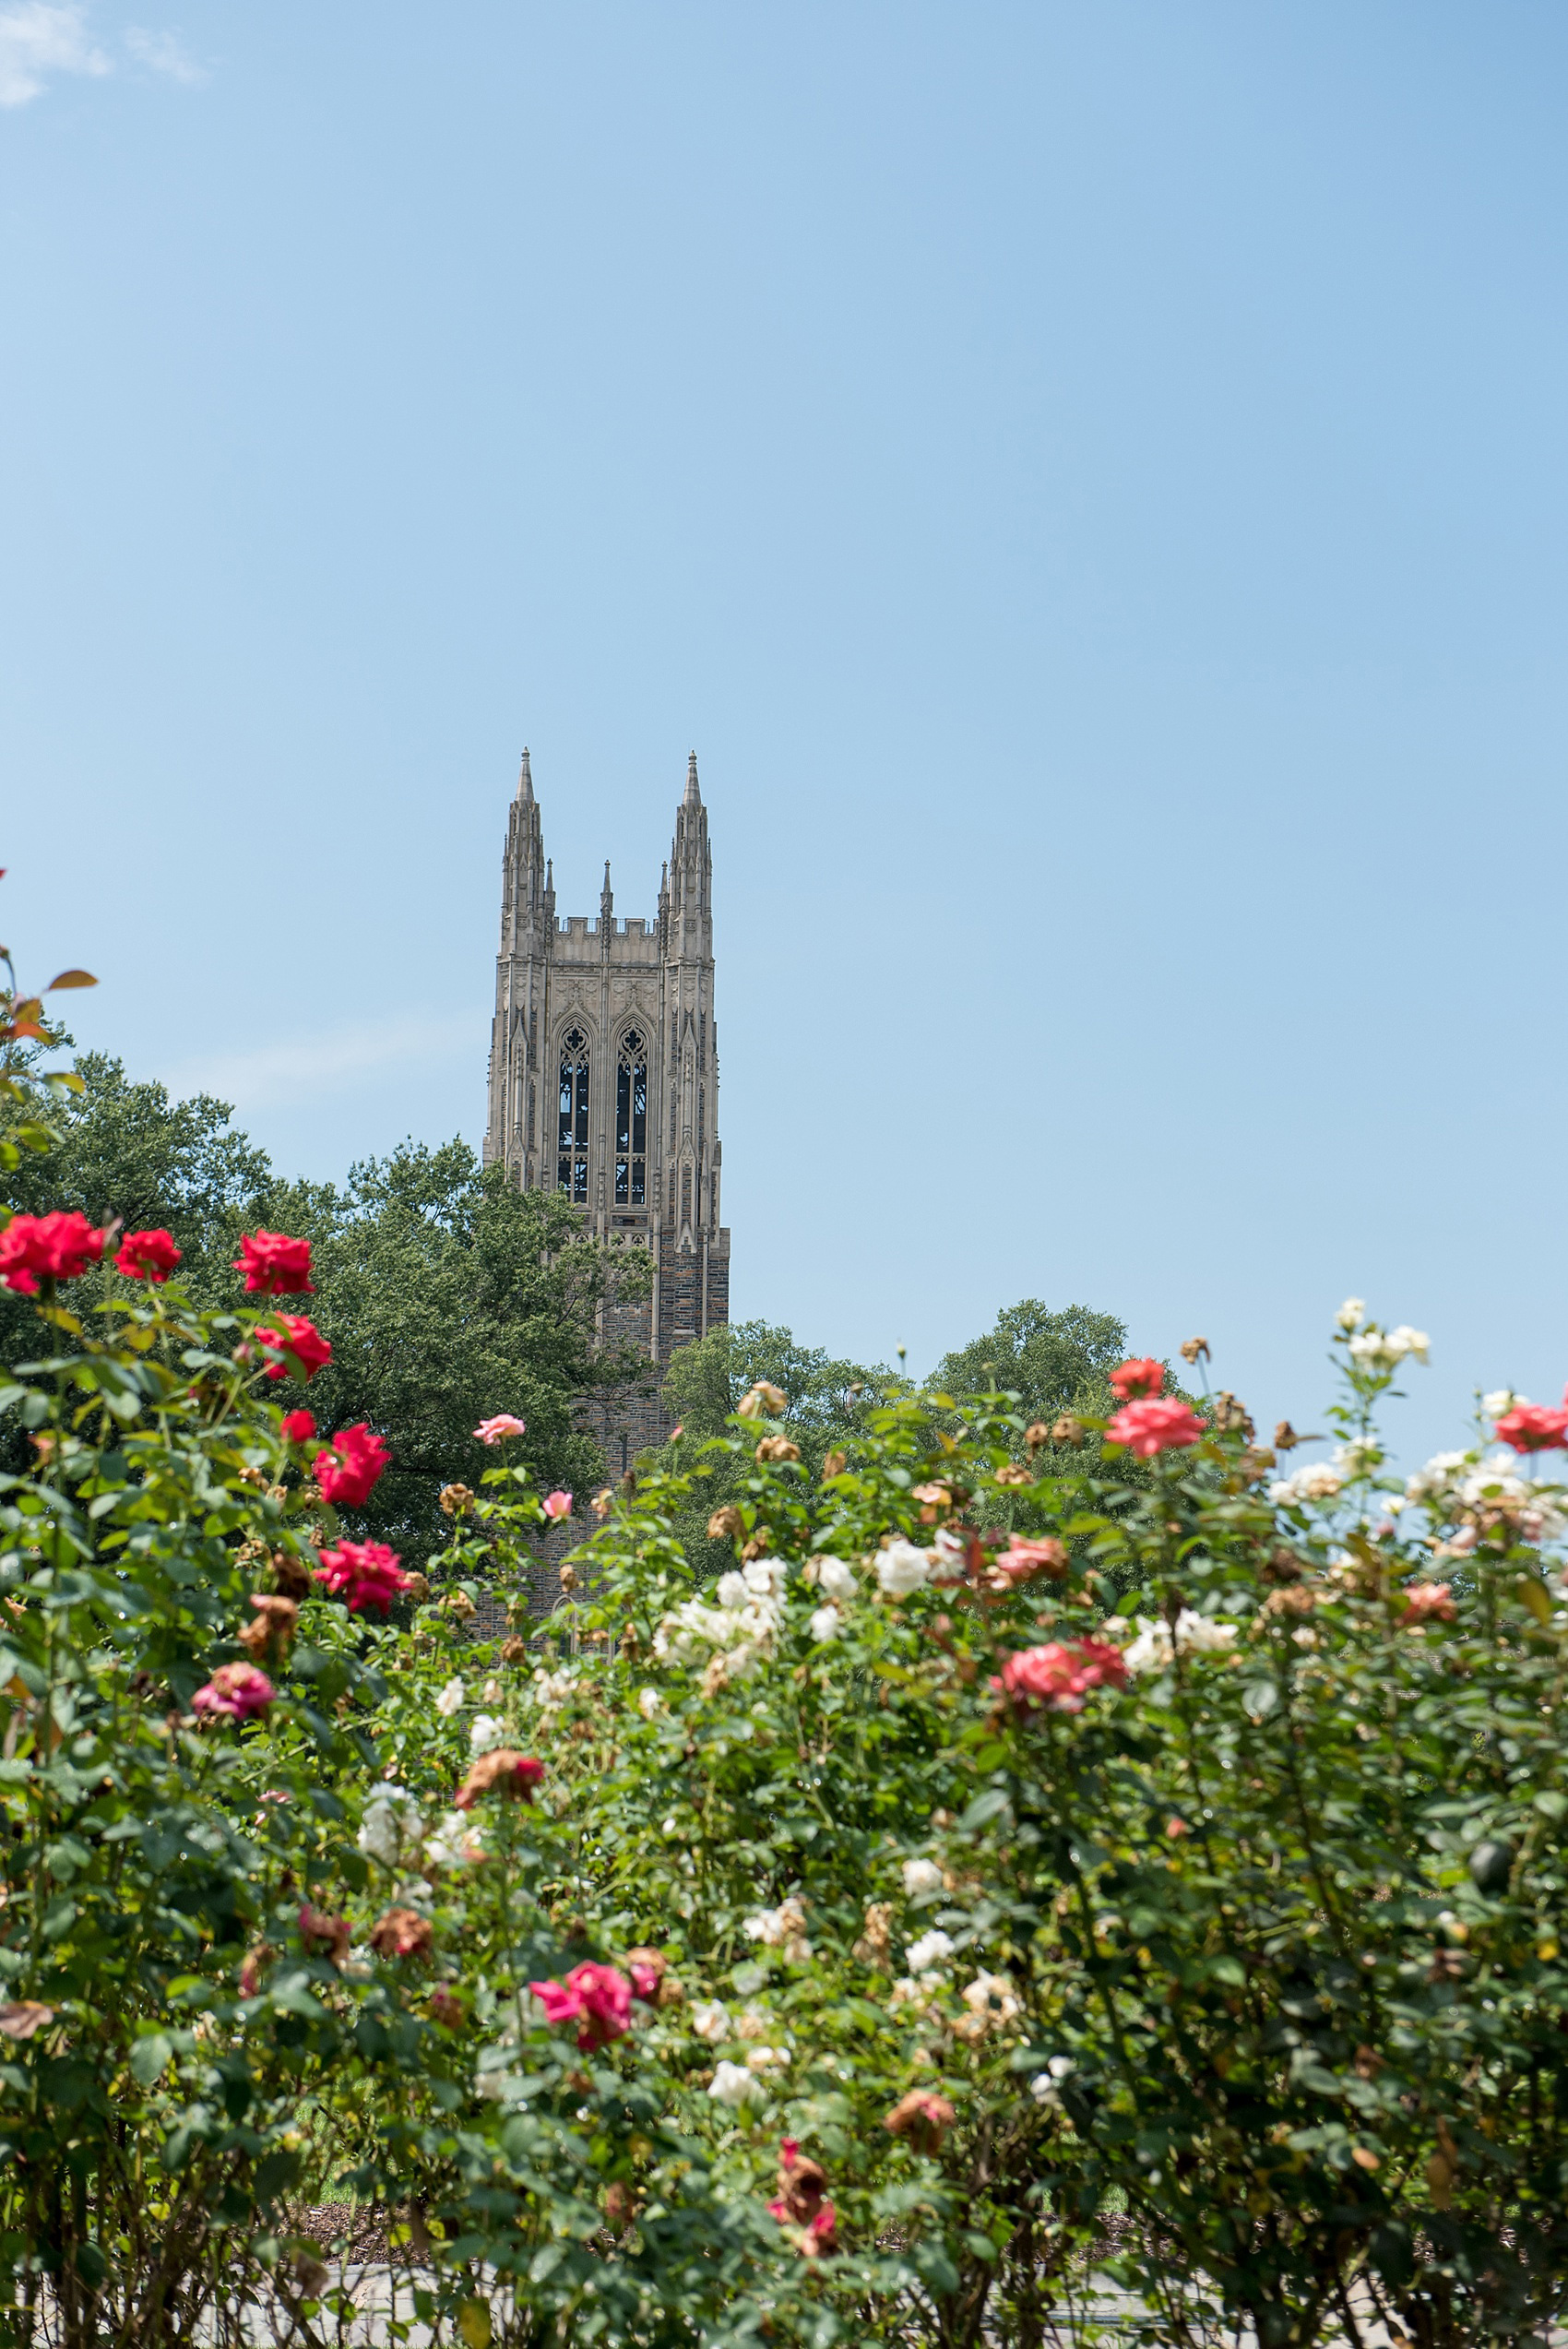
[
  {"x": 1131, "y": 1378},
  {"x": 235, "y": 1692},
  {"x": 1534, "y": 1427},
  {"x": 1158, "y": 1424},
  {"x": 1059, "y": 1675},
  {"x": 558, "y": 1504},
  {"x": 496, "y": 1430},
  {"x": 599, "y": 1998},
  {"x": 1424, "y": 1600}
]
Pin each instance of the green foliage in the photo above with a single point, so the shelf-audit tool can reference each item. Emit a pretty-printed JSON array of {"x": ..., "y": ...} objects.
[
  {"x": 827, "y": 1402},
  {"x": 1053, "y": 1361},
  {"x": 1237, "y": 1924},
  {"x": 446, "y": 1295}
]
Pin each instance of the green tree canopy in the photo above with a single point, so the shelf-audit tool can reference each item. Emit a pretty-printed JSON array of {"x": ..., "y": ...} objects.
[
  {"x": 447, "y": 1295},
  {"x": 1051, "y": 1360},
  {"x": 824, "y": 1400}
]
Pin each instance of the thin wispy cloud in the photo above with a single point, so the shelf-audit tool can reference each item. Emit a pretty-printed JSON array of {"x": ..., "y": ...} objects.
[
  {"x": 164, "y": 53},
  {"x": 302, "y": 1068},
  {"x": 42, "y": 38},
  {"x": 39, "y": 38}
]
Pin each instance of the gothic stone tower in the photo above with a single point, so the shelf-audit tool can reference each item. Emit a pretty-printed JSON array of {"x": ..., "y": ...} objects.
[{"x": 604, "y": 1084}]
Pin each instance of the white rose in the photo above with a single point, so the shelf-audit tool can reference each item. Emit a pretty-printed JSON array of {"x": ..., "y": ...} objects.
[
  {"x": 766, "y": 1577},
  {"x": 450, "y": 1700},
  {"x": 921, "y": 1877},
  {"x": 456, "y": 1841},
  {"x": 930, "y": 1950},
  {"x": 733, "y": 2084},
  {"x": 732, "y": 1591},
  {"x": 711, "y": 2020},
  {"x": 390, "y": 1831},
  {"x": 767, "y": 2058},
  {"x": 836, "y": 1580},
  {"x": 486, "y": 1733},
  {"x": 901, "y": 1569},
  {"x": 990, "y": 1998},
  {"x": 825, "y": 1623},
  {"x": 1501, "y": 1401},
  {"x": 1351, "y": 1312},
  {"x": 1405, "y": 1341},
  {"x": 649, "y": 1702}
]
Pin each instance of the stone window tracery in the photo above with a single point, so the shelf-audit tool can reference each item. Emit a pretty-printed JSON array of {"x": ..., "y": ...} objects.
[
  {"x": 572, "y": 1140},
  {"x": 631, "y": 1121}
]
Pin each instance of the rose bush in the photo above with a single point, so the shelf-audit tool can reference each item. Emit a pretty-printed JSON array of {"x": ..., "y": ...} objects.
[{"x": 1148, "y": 1861}]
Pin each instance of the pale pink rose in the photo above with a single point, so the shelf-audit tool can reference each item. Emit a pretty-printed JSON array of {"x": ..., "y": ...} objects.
[
  {"x": 495, "y": 1431},
  {"x": 558, "y": 1504}
]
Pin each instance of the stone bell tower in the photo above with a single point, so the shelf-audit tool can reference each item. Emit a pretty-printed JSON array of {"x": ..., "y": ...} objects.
[{"x": 604, "y": 1084}]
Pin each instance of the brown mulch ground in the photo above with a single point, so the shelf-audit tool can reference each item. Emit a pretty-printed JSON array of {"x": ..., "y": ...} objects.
[{"x": 354, "y": 2232}]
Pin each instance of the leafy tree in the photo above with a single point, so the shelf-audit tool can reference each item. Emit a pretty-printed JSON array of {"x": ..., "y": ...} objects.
[
  {"x": 1054, "y": 1362},
  {"x": 825, "y": 1408},
  {"x": 449, "y": 1295},
  {"x": 446, "y": 1295}
]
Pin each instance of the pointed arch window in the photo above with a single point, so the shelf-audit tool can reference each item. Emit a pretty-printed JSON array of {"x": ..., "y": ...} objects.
[
  {"x": 572, "y": 1142},
  {"x": 631, "y": 1121}
]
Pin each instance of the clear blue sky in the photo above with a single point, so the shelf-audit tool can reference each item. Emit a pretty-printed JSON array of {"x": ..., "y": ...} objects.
[{"x": 1088, "y": 481}]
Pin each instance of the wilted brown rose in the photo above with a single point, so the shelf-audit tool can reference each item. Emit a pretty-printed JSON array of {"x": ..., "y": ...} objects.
[
  {"x": 513, "y": 1650},
  {"x": 1195, "y": 1350},
  {"x": 290, "y": 1576},
  {"x": 1228, "y": 1415},
  {"x": 922, "y": 2117},
  {"x": 455, "y": 1499},
  {"x": 1036, "y": 1434},
  {"x": 1013, "y": 1474},
  {"x": 619, "y": 2205},
  {"x": 1067, "y": 1430},
  {"x": 568, "y": 1577},
  {"x": 871, "y": 1948},
  {"x": 835, "y": 1465},
  {"x": 602, "y": 1503},
  {"x": 23, "y": 2017},
  {"x": 763, "y": 1397},
  {"x": 716, "y": 1676},
  {"x": 402, "y": 1933},
  {"x": 268, "y": 1635},
  {"x": 446, "y": 2005},
  {"x": 726, "y": 1523},
  {"x": 1285, "y": 1437},
  {"x": 459, "y": 1603},
  {"x": 503, "y": 1772},
  {"x": 778, "y": 1448},
  {"x": 329, "y": 1936}
]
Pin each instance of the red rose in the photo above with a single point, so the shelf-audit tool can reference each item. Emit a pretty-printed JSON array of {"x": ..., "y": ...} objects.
[
  {"x": 148, "y": 1256},
  {"x": 1059, "y": 1675},
  {"x": 349, "y": 1469},
  {"x": 597, "y": 1997},
  {"x": 364, "y": 1574},
  {"x": 1130, "y": 1379},
  {"x": 1423, "y": 1601},
  {"x": 274, "y": 1264},
  {"x": 47, "y": 1247},
  {"x": 1530, "y": 1427},
  {"x": 297, "y": 1426},
  {"x": 1160, "y": 1425},
  {"x": 301, "y": 1338},
  {"x": 235, "y": 1691}
]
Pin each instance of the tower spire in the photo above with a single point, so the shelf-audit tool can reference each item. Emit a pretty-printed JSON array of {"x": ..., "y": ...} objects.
[
  {"x": 694, "y": 796},
  {"x": 525, "y": 780}
]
